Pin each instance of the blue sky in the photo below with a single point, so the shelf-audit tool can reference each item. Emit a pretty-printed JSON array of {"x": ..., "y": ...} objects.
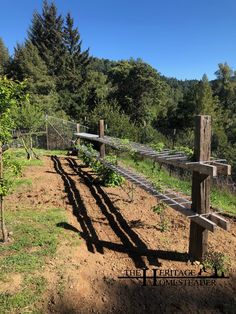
[{"x": 180, "y": 38}]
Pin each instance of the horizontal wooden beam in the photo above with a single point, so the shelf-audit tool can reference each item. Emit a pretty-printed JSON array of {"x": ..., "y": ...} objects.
[
  {"x": 222, "y": 168},
  {"x": 178, "y": 159},
  {"x": 220, "y": 221},
  {"x": 204, "y": 222}
]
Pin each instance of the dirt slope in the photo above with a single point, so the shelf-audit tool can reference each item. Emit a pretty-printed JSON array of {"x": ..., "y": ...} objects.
[{"x": 118, "y": 235}]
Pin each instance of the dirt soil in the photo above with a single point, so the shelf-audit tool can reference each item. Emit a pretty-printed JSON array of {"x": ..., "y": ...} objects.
[{"x": 119, "y": 235}]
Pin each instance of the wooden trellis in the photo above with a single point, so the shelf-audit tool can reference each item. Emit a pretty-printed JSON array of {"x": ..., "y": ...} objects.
[{"x": 203, "y": 168}]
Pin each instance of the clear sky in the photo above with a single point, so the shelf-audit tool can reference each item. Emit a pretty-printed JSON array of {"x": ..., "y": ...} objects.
[{"x": 180, "y": 38}]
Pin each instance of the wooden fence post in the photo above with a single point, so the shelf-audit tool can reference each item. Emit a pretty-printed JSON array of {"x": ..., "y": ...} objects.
[
  {"x": 77, "y": 142},
  {"x": 47, "y": 139},
  {"x": 2, "y": 213},
  {"x": 101, "y": 135},
  {"x": 198, "y": 241}
]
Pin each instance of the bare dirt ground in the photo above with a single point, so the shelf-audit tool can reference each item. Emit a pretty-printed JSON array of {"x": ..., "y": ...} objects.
[{"x": 118, "y": 235}]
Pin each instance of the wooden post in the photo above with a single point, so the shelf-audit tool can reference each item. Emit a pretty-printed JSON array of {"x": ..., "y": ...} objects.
[
  {"x": 47, "y": 132},
  {"x": 198, "y": 241},
  {"x": 77, "y": 142},
  {"x": 101, "y": 134},
  {"x": 2, "y": 213}
]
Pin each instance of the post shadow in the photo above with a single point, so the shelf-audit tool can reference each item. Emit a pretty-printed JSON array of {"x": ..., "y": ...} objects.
[
  {"x": 131, "y": 243},
  {"x": 79, "y": 208}
]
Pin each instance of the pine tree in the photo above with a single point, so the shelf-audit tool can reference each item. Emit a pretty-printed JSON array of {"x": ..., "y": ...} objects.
[
  {"x": 28, "y": 65},
  {"x": 206, "y": 103},
  {"x": 76, "y": 61},
  {"x": 46, "y": 33},
  {"x": 4, "y": 58}
]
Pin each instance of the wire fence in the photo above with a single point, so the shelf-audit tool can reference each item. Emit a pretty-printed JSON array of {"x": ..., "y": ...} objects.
[{"x": 54, "y": 134}]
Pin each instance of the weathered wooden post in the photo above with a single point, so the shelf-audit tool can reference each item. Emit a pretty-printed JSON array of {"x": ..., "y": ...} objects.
[
  {"x": 198, "y": 241},
  {"x": 2, "y": 213},
  {"x": 77, "y": 142},
  {"x": 47, "y": 139},
  {"x": 101, "y": 135}
]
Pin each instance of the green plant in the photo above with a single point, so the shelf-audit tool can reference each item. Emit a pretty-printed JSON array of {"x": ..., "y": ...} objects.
[
  {"x": 160, "y": 209},
  {"x": 217, "y": 262},
  {"x": 88, "y": 155},
  {"x": 108, "y": 176},
  {"x": 158, "y": 147},
  {"x": 183, "y": 149}
]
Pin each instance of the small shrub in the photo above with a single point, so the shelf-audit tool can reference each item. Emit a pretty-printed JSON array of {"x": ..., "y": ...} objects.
[
  {"x": 217, "y": 262},
  {"x": 158, "y": 147},
  {"x": 160, "y": 210},
  {"x": 108, "y": 176}
]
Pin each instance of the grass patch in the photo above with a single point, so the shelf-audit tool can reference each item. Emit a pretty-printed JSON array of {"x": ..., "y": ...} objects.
[
  {"x": 31, "y": 291},
  {"x": 35, "y": 238},
  {"x": 20, "y": 155},
  {"x": 20, "y": 183},
  {"x": 219, "y": 198},
  {"x": 45, "y": 152}
]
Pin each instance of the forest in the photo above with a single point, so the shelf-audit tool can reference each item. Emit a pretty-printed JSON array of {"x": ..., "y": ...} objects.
[{"x": 51, "y": 74}]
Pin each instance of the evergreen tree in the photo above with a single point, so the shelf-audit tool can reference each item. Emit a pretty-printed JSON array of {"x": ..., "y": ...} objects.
[
  {"x": 46, "y": 33},
  {"x": 138, "y": 89},
  {"x": 4, "y": 58},
  {"x": 75, "y": 61},
  {"x": 28, "y": 65},
  {"x": 206, "y": 103},
  {"x": 225, "y": 87}
]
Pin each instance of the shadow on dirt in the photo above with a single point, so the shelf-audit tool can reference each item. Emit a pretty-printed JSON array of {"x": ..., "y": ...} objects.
[
  {"x": 126, "y": 297},
  {"x": 131, "y": 243}
]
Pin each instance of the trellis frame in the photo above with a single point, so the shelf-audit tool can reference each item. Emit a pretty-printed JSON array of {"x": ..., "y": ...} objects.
[{"x": 203, "y": 168}]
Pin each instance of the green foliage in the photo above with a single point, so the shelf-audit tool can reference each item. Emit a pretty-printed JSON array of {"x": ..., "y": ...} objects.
[
  {"x": 217, "y": 262},
  {"x": 88, "y": 155},
  {"x": 221, "y": 199},
  {"x": 33, "y": 287},
  {"x": 135, "y": 101},
  {"x": 183, "y": 149},
  {"x": 138, "y": 89},
  {"x": 118, "y": 123},
  {"x": 158, "y": 146},
  {"x": 108, "y": 176},
  {"x": 4, "y": 58},
  {"x": 29, "y": 117},
  {"x": 11, "y": 170},
  {"x": 36, "y": 237},
  {"x": 11, "y": 95},
  {"x": 160, "y": 209}
]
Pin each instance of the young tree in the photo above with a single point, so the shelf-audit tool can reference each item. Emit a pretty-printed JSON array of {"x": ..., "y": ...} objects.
[
  {"x": 11, "y": 94},
  {"x": 29, "y": 117}
]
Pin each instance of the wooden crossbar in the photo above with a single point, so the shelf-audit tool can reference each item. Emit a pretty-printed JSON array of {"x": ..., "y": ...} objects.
[
  {"x": 166, "y": 156},
  {"x": 171, "y": 198}
]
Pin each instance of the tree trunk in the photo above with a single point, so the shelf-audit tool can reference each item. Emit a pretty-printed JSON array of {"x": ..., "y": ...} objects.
[
  {"x": 26, "y": 149},
  {"x": 2, "y": 216},
  {"x": 32, "y": 149}
]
